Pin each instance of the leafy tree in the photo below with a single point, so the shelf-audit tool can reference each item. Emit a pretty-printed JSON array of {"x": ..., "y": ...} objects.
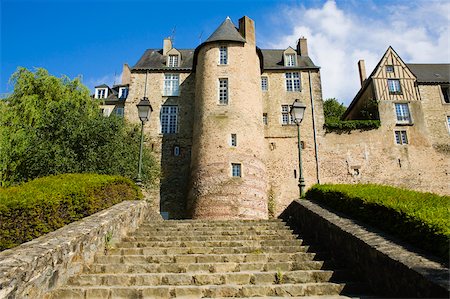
[
  {"x": 333, "y": 110},
  {"x": 51, "y": 125}
]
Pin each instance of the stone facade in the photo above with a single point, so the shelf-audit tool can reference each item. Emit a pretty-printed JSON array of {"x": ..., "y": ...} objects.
[{"x": 190, "y": 131}]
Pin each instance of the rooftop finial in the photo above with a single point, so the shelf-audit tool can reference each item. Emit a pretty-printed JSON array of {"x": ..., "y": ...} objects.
[{"x": 228, "y": 18}]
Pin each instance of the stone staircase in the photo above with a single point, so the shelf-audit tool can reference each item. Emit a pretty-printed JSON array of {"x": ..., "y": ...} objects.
[{"x": 204, "y": 259}]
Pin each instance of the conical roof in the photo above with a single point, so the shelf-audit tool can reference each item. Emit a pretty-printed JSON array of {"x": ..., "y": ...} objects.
[{"x": 226, "y": 32}]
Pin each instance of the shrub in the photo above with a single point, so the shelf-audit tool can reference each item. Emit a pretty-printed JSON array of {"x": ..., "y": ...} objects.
[
  {"x": 346, "y": 126},
  {"x": 43, "y": 205},
  {"x": 421, "y": 219}
]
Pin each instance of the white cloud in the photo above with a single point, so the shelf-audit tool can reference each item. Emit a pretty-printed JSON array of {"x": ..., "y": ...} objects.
[
  {"x": 109, "y": 80},
  {"x": 338, "y": 37}
]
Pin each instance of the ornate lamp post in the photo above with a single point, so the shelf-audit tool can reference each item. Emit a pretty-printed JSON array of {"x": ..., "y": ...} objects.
[
  {"x": 297, "y": 112},
  {"x": 144, "y": 111}
]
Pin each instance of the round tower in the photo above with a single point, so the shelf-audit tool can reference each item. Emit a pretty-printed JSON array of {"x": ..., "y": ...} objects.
[{"x": 228, "y": 173}]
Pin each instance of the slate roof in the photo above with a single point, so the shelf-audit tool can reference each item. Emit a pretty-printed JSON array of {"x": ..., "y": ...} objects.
[
  {"x": 273, "y": 60},
  {"x": 226, "y": 32},
  {"x": 431, "y": 73}
]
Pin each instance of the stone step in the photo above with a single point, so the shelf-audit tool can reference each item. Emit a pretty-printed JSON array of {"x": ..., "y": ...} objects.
[
  {"x": 236, "y": 221},
  {"x": 202, "y": 267},
  {"x": 230, "y": 243},
  {"x": 146, "y": 238},
  {"x": 205, "y": 258},
  {"x": 199, "y": 279},
  {"x": 213, "y": 291},
  {"x": 206, "y": 250},
  {"x": 243, "y": 229},
  {"x": 193, "y": 224},
  {"x": 188, "y": 233}
]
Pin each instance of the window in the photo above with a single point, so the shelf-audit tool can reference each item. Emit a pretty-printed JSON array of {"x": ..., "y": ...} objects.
[
  {"x": 101, "y": 93},
  {"x": 223, "y": 91},
  {"x": 176, "y": 150},
  {"x": 223, "y": 55},
  {"x": 171, "y": 84},
  {"x": 265, "y": 120},
  {"x": 389, "y": 68},
  {"x": 394, "y": 86},
  {"x": 286, "y": 118},
  {"x": 448, "y": 123},
  {"x": 169, "y": 115},
  {"x": 233, "y": 140},
  {"x": 123, "y": 92},
  {"x": 400, "y": 137},
  {"x": 264, "y": 84},
  {"x": 292, "y": 81},
  {"x": 119, "y": 111},
  {"x": 173, "y": 61},
  {"x": 289, "y": 60},
  {"x": 236, "y": 170},
  {"x": 402, "y": 112},
  {"x": 446, "y": 94}
]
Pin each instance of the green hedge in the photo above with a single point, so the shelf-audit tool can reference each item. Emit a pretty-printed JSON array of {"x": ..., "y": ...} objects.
[
  {"x": 421, "y": 219},
  {"x": 342, "y": 126},
  {"x": 43, "y": 205}
]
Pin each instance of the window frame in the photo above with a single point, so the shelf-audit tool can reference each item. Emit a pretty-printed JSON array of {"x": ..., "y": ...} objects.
[
  {"x": 265, "y": 119},
  {"x": 169, "y": 119},
  {"x": 223, "y": 92},
  {"x": 223, "y": 55},
  {"x": 293, "y": 81},
  {"x": 233, "y": 140},
  {"x": 104, "y": 91},
  {"x": 448, "y": 123},
  {"x": 402, "y": 114},
  {"x": 290, "y": 60},
  {"x": 236, "y": 170},
  {"x": 401, "y": 137},
  {"x": 122, "y": 91},
  {"x": 396, "y": 86},
  {"x": 264, "y": 83},
  {"x": 171, "y": 87},
  {"x": 389, "y": 68},
  {"x": 122, "y": 109},
  {"x": 445, "y": 95},
  {"x": 173, "y": 60},
  {"x": 286, "y": 117}
]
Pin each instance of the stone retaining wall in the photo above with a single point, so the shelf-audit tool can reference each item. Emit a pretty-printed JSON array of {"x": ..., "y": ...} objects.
[
  {"x": 36, "y": 267},
  {"x": 388, "y": 268}
]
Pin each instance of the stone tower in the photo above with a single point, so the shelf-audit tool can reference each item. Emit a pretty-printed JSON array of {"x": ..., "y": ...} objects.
[{"x": 228, "y": 172}]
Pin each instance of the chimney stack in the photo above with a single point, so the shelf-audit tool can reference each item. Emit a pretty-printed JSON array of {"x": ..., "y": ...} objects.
[
  {"x": 247, "y": 29},
  {"x": 362, "y": 71},
  {"x": 126, "y": 74},
  {"x": 167, "y": 46},
  {"x": 302, "y": 47}
]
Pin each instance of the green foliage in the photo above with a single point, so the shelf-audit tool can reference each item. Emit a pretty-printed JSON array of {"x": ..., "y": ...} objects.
[
  {"x": 419, "y": 218},
  {"x": 279, "y": 277},
  {"x": 346, "y": 126},
  {"x": 332, "y": 110},
  {"x": 51, "y": 126},
  {"x": 43, "y": 205}
]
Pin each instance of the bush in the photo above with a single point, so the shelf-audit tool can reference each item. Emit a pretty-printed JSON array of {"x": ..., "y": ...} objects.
[
  {"x": 346, "y": 126},
  {"x": 43, "y": 205},
  {"x": 421, "y": 219}
]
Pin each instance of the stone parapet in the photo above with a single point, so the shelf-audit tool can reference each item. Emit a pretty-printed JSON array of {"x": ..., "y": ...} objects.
[
  {"x": 37, "y": 267},
  {"x": 389, "y": 267}
]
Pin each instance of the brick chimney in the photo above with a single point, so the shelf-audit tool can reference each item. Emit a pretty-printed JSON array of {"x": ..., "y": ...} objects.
[
  {"x": 167, "y": 46},
  {"x": 362, "y": 71},
  {"x": 247, "y": 29},
  {"x": 302, "y": 46}
]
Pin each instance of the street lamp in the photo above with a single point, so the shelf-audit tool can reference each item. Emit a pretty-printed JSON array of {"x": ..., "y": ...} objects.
[
  {"x": 297, "y": 112},
  {"x": 144, "y": 111}
]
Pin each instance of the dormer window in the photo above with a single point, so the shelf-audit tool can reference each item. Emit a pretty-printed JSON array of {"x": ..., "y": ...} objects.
[
  {"x": 173, "y": 61},
  {"x": 290, "y": 60},
  {"x": 101, "y": 93},
  {"x": 123, "y": 92}
]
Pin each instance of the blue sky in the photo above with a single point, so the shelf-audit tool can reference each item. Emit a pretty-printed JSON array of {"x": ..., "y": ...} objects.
[{"x": 93, "y": 39}]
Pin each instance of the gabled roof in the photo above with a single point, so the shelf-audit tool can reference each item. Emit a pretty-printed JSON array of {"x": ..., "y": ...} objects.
[
  {"x": 431, "y": 73},
  {"x": 273, "y": 60},
  {"x": 154, "y": 60},
  {"x": 226, "y": 32},
  {"x": 102, "y": 86}
]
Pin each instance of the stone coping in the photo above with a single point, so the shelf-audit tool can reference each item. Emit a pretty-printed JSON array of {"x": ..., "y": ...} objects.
[
  {"x": 392, "y": 254},
  {"x": 34, "y": 268}
]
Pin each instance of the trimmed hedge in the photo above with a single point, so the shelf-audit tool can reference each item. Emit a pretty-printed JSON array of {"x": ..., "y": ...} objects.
[
  {"x": 342, "y": 126},
  {"x": 421, "y": 219},
  {"x": 43, "y": 205}
]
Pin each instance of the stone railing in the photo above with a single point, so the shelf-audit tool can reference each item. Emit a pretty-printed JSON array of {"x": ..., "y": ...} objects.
[
  {"x": 389, "y": 267},
  {"x": 36, "y": 267}
]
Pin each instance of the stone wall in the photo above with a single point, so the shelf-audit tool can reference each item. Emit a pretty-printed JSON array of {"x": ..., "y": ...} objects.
[
  {"x": 37, "y": 267},
  {"x": 390, "y": 268}
]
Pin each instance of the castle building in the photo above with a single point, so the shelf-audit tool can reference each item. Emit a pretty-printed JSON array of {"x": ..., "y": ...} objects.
[{"x": 226, "y": 142}]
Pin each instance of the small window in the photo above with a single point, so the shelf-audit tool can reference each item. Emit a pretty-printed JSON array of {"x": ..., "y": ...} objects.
[
  {"x": 290, "y": 60},
  {"x": 101, "y": 93},
  {"x": 171, "y": 84},
  {"x": 123, "y": 92},
  {"x": 119, "y": 111},
  {"x": 169, "y": 119},
  {"x": 173, "y": 61},
  {"x": 286, "y": 118},
  {"x": 292, "y": 81},
  {"x": 446, "y": 94},
  {"x": 389, "y": 68},
  {"x": 223, "y": 91},
  {"x": 265, "y": 120},
  {"x": 402, "y": 113},
  {"x": 448, "y": 123},
  {"x": 236, "y": 170},
  {"x": 176, "y": 150},
  {"x": 264, "y": 84},
  {"x": 401, "y": 137},
  {"x": 223, "y": 55},
  {"x": 233, "y": 140},
  {"x": 394, "y": 86}
]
